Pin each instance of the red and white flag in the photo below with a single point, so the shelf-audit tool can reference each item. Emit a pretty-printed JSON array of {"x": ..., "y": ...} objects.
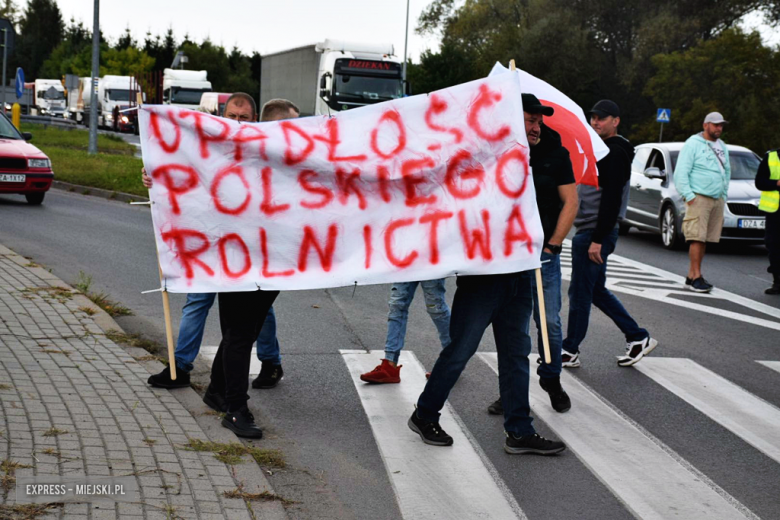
[{"x": 584, "y": 145}]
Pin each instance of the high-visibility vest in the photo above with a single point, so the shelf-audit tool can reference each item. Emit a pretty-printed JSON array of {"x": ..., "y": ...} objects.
[{"x": 770, "y": 200}]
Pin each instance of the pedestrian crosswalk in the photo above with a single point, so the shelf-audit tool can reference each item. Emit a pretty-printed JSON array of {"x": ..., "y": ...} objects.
[{"x": 647, "y": 476}]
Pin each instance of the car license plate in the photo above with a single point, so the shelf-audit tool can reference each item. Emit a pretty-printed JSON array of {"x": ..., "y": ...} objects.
[
  {"x": 7, "y": 177},
  {"x": 752, "y": 224}
]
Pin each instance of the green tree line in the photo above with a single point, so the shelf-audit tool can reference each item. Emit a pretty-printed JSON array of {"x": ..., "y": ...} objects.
[
  {"x": 47, "y": 47},
  {"x": 687, "y": 55}
]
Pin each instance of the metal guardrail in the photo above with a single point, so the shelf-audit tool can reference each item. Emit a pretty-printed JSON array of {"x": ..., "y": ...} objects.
[{"x": 49, "y": 120}]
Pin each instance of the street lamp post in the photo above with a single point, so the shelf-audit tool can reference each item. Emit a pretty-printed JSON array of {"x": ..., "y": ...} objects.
[
  {"x": 5, "y": 56},
  {"x": 406, "y": 40},
  {"x": 93, "y": 101}
]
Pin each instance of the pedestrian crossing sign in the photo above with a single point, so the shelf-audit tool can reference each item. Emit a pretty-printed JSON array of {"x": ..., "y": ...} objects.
[{"x": 664, "y": 115}]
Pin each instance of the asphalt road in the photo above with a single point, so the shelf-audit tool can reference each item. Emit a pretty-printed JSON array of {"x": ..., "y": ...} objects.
[{"x": 316, "y": 415}]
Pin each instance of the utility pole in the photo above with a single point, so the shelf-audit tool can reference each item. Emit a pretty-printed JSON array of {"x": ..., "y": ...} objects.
[
  {"x": 406, "y": 41},
  {"x": 93, "y": 103},
  {"x": 5, "y": 56}
]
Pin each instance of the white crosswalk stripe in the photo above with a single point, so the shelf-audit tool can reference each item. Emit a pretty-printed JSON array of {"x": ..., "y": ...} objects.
[
  {"x": 756, "y": 421},
  {"x": 774, "y": 365},
  {"x": 648, "y": 477},
  {"x": 430, "y": 482}
]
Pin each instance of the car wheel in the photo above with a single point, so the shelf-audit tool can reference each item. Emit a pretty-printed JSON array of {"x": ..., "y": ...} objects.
[
  {"x": 35, "y": 198},
  {"x": 623, "y": 229},
  {"x": 671, "y": 234}
]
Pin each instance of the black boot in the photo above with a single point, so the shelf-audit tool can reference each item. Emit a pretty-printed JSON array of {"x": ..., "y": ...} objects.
[
  {"x": 269, "y": 376},
  {"x": 775, "y": 289},
  {"x": 559, "y": 399},
  {"x": 163, "y": 379},
  {"x": 242, "y": 423}
]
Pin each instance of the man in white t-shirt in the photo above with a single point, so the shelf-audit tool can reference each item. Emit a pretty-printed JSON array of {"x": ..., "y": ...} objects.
[{"x": 702, "y": 177}]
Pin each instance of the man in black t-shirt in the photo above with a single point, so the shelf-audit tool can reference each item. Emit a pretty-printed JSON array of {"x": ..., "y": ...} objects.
[{"x": 556, "y": 197}]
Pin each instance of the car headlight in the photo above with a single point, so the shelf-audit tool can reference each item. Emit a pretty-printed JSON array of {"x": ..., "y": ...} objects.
[
  {"x": 125, "y": 119},
  {"x": 109, "y": 117},
  {"x": 38, "y": 163}
]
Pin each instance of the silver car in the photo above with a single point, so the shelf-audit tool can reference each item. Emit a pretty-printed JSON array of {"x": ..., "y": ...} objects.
[{"x": 655, "y": 205}]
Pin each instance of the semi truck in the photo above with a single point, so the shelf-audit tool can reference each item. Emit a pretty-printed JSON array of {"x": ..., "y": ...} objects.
[
  {"x": 115, "y": 94},
  {"x": 332, "y": 76},
  {"x": 185, "y": 88},
  {"x": 49, "y": 98}
]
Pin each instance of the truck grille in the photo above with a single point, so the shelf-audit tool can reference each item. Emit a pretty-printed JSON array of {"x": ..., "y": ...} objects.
[
  {"x": 13, "y": 163},
  {"x": 744, "y": 210}
]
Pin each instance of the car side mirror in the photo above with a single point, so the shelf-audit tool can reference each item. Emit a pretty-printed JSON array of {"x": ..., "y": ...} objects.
[
  {"x": 27, "y": 136},
  {"x": 655, "y": 173}
]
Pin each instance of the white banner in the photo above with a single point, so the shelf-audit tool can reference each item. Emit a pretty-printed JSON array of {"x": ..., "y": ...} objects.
[
  {"x": 417, "y": 188},
  {"x": 583, "y": 143}
]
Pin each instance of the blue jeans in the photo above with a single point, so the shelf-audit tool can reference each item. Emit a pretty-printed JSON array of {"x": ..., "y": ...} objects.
[
  {"x": 505, "y": 301},
  {"x": 193, "y": 322},
  {"x": 401, "y": 295},
  {"x": 551, "y": 283},
  {"x": 588, "y": 286}
]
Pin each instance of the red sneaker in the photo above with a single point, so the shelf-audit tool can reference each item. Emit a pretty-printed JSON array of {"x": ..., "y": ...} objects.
[{"x": 384, "y": 373}]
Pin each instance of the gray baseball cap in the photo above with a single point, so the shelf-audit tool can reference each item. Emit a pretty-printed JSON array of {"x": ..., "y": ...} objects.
[{"x": 715, "y": 118}]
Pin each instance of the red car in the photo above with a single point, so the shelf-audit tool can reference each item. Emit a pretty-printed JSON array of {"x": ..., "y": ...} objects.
[{"x": 23, "y": 167}]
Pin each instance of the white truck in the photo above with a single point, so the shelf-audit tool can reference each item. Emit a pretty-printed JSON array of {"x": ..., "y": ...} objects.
[
  {"x": 332, "y": 75},
  {"x": 49, "y": 98},
  {"x": 184, "y": 88},
  {"x": 114, "y": 95}
]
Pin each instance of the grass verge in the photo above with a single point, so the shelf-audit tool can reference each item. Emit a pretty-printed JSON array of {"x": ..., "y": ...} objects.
[
  {"x": 135, "y": 340},
  {"x": 114, "y": 168}
]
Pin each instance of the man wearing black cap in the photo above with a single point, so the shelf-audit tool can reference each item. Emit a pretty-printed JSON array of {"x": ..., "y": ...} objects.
[
  {"x": 596, "y": 222},
  {"x": 556, "y": 197}
]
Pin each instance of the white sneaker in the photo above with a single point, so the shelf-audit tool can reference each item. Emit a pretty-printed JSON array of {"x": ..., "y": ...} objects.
[
  {"x": 636, "y": 350},
  {"x": 570, "y": 360}
]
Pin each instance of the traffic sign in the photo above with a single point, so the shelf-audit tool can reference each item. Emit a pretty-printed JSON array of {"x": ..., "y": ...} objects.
[
  {"x": 19, "y": 82},
  {"x": 664, "y": 115}
]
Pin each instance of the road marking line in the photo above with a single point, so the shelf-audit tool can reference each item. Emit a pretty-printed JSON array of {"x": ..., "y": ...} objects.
[
  {"x": 647, "y": 476},
  {"x": 429, "y": 481},
  {"x": 209, "y": 353},
  {"x": 748, "y": 416},
  {"x": 774, "y": 365},
  {"x": 662, "y": 294}
]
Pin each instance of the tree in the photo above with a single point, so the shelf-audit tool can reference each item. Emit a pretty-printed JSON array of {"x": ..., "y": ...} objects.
[
  {"x": 126, "y": 40},
  {"x": 9, "y": 11},
  {"x": 734, "y": 74},
  {"x": 41, "y": 30}
]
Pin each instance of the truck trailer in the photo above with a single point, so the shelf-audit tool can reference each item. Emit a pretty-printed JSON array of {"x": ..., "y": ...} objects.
[{"x": 332, "y": 76}]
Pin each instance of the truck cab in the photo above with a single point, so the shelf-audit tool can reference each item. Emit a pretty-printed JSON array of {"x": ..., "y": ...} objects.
[
  {"x": 115, "y": 94},
  {"x": 50, "y": 98},
  {"x": 185, "y": 88},
  {"x": 354, "y": 75}
]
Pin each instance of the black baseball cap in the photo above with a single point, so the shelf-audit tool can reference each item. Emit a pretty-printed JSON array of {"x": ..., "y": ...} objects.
[
  {"x": 605, "y": 108},
  {"x": 533, "y": 106}
]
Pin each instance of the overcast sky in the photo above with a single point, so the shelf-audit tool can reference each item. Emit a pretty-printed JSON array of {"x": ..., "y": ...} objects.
[{"x": 260, "y": 25}]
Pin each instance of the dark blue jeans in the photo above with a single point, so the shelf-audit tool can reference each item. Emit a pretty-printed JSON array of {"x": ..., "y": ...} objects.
[
  {"x": 551, "y": 282},
  {"x": 588, "y": 286},
  {"x": 505, "y": 301}
]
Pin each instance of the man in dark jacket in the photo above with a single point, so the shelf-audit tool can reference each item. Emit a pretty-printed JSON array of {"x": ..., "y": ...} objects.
[
  {"x": 596, "y": 237},
  {"x": 556, "y": 197},
  {"x": 768, "y": 181}
]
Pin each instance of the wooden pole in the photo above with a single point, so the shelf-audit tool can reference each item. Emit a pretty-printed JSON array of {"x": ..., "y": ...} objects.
[
  {"x": 540, "y": 295},
  {"x": 165, "y": 298}
]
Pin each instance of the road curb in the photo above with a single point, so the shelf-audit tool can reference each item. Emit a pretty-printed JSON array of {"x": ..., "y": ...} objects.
[
  {"x": 251, "y": 475},
  {"x": 98, "y": 192}
]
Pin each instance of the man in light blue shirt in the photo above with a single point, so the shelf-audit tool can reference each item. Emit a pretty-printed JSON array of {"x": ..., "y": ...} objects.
[{"x": 702, "y": 177}]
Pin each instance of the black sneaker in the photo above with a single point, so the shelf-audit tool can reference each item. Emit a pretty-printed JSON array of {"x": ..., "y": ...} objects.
[
  {"x": 430, "y": 432},
  {"x": 559, "y": 399},
  {"x": 163, "y": 379},
  {"x": 269, "y": 376},
  {"x": 636, "y": 350},
  {"x": 775, "y": 289},
  {"x": 532, "y": 444},
  {"x": 496, "y": 408},
  {"x": 699, "y": 285},
  {"x": 242, "y": 423},
  {"x": 215, "y": 401}
]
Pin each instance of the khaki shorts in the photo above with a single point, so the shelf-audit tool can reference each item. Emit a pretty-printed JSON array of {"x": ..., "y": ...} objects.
[{"x": 703, "y": 220}]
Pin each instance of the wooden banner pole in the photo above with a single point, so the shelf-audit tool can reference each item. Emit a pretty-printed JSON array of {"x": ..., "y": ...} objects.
[
  {"x": 166, "y": 300},
  {"x": 540, "y": 293}
]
